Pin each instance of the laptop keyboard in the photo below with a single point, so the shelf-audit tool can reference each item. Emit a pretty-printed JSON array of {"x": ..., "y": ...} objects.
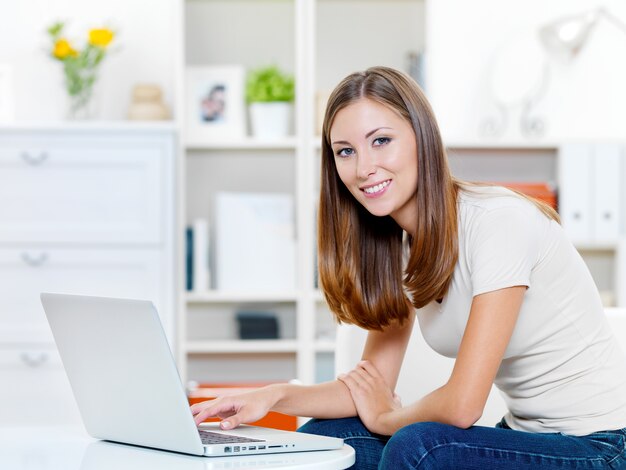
[{"x": 209, "y": 437}]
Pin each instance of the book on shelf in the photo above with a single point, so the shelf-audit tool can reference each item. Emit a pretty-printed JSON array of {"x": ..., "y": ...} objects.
[
  {"x": 189, "y": 258},
  {"x": 201, "y": 273},
  {"x": 208, "y": 391},
  {"x": 197, "y": 272}
]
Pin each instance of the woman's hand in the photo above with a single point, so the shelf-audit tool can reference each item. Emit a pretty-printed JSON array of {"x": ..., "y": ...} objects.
[
  {"x": 374, "y": 400},
  {"x": 234, "y": 410}
]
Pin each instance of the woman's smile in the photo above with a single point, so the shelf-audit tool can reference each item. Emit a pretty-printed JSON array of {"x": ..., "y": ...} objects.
[{"x": 376, "y": 190}]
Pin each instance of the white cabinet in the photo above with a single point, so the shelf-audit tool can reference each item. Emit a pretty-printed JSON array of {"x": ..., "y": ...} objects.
[
  {"x": 84, "y": 209},
  {"x": 78, "y": 190}
]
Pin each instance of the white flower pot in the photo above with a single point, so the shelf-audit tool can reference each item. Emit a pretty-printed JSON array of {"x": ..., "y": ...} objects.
[{"x": 271, "y": 120}]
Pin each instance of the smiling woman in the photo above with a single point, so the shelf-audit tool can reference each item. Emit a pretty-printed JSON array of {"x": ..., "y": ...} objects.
[{"x": 496, "y": 283}]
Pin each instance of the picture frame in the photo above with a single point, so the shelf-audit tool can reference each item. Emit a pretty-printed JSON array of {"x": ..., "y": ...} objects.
[
  {"x": 7, "y": 110},
  {"x": 214, "y": 104}
]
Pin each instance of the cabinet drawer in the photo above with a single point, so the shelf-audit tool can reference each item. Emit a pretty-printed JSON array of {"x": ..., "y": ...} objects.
[
  {"x": 24, "y": 274},
  {"x": 81, "y": 190},
  {"x": 35, "y": 388}
]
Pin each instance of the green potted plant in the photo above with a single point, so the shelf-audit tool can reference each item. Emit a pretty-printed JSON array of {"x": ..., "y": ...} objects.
[{"x": 270, "y": 93}]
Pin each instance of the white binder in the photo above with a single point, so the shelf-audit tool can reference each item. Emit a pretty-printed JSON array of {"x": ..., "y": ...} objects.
[
  {"x": 575, "y": 192},
  {"x": 606, "y": 176}
]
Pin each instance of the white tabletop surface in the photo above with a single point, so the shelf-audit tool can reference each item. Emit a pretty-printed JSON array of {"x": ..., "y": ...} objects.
[{"x": 63, "y": 448}]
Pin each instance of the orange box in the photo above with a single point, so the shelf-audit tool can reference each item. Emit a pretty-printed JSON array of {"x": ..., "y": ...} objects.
[
  {"x": 271, "y": 420},
  {"x": 541, "y": 191}
]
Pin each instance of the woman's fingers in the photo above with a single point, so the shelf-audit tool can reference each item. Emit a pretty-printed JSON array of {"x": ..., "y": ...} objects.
[
  {"x": 355, "y": 379},
  {"x": 212, "y": 408},
  {"x": 349, "y": 381},
  {"x": 232, "y": 410},
  {"x": 234, "y": 420}
]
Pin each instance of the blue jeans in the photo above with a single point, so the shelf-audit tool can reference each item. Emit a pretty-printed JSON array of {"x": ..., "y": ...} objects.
[{"x": 441, "y": 446}]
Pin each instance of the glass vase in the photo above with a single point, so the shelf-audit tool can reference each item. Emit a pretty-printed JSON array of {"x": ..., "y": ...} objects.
[
  {"x": 81, "y": 106},
  {"x": 81, "y": 99}
]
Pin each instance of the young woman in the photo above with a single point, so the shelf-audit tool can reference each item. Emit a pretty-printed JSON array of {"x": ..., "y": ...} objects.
[{"x": 495, "y": 282}]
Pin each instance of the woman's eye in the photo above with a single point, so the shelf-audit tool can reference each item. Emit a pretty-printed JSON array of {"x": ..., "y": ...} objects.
[
  {"x": 345, "y": 152},
  {"x": 381, "y": 141}
]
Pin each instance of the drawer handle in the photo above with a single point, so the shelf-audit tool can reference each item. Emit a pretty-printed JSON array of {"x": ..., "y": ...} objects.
[
  {"x": 35, "y": 262},
  {"x": 34, "y": 360},
  {"x": 34, "y": 160}
]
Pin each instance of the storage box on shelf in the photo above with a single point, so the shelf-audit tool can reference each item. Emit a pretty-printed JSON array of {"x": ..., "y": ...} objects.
[{"x": 86, "y": 210}]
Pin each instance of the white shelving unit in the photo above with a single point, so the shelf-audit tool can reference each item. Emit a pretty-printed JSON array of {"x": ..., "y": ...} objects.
[
  {"x": 300, "y": 46},
  {"x": 319, "y": 41}
]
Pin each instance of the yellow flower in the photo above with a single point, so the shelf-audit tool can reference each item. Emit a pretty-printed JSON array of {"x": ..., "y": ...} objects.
[
  {"x": 100, "y": 37},
  {"x": 63, "y": 49}
]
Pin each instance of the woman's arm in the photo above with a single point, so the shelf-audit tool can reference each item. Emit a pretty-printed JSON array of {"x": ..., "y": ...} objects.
[
  {"x": 384, "y": 349},
  {"x": 327, "y": 400},
  {"x": 461, "y": 400}
]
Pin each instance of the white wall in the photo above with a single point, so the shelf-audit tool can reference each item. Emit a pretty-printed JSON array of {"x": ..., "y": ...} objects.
[
  {"x": 146, "y": 48},
  {"x": 584, "y": 99},
  {"x": 353, "y": 35}
]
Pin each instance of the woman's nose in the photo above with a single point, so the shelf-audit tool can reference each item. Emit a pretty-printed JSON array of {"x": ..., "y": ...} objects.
[{"x": 366, "y": 165}]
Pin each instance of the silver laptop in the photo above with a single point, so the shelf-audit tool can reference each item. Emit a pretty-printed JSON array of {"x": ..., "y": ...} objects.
[{"x": 128, "y": 390}]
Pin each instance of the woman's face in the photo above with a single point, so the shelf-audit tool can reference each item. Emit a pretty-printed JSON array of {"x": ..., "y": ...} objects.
[{"x": 376, "y": 158}]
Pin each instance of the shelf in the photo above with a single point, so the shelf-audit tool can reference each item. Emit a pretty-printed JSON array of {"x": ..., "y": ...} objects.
[
  {"x": 233, "y": 297},
  {"x": 325, "y": 345},
  {"x": 242, "y": 346},
  {"x": 289, "y": 143}
]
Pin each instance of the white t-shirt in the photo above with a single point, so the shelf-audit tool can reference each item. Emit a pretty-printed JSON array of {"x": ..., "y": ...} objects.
[{"x": 563, "y": 370}]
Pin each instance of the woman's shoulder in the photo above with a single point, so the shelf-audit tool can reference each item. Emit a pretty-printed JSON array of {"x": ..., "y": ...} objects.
[{"x": 490, "y": 207}]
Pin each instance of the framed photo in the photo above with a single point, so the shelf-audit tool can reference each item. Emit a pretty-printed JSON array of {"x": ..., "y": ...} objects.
[
  {"x": 6, "y": 94},
  {"x": 214, "y": 103}
]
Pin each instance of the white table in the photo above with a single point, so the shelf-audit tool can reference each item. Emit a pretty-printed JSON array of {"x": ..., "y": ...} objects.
[{"x": 62, "y": 448}]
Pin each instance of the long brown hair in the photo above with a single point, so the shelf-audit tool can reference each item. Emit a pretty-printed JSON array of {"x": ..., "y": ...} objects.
[{"x": 361, "y": 255}]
